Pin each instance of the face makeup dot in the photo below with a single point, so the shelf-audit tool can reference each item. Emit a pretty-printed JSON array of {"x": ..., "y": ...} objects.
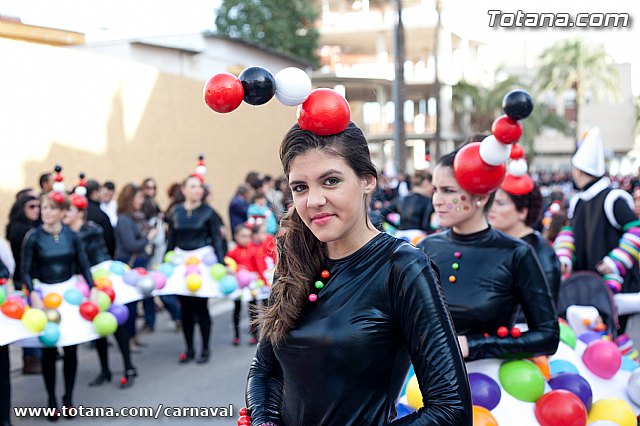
[
  {"x": 455, "y": 201},
  {"x": 458, "y": 209},
  {"x": 466, "y": 208},
  {"x": 449, "y": 206},
  {"x": 463, "y": 197}
]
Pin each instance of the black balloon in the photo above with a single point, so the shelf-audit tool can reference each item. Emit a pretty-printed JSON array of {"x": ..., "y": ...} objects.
[
  {"x": 517, "y": 104},
  {"x": 259, "y": 85}
]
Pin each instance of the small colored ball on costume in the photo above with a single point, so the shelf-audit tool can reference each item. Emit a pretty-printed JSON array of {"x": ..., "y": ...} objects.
[
  {"x": 483, "y": 417},
  {"x": 50, "y": 335},
  {"x": 34, "y": 320},
  {"x": 73, "y": 296},
  {"x": 493, "y": 152},
  {"x": 53, "y": 315},
  {"x": 228, "y": 284},
  {"x": 244, "y": 421},
  {"x": 223, "y": 92},
  {"x": 602, "y": 358},
  {"x": 259, "y": 85},
  {"x": 89, "y": 310},
  {"x": 218, "y": 271},
  {"x": 517, "y": 104},
  {"x": 325, "y": 112},
  {"x": 103, "y": 301},
  {"x": 191, "y": 269},
  {"x": 102, "y": 282},
  {"x": 457, "y": 254},
  {"x": 473, "y": 174},
  {"x": 319, "y": 284},
  {"x": 613, "y": 410},
  {"x": 560, "y": 408},
  {"x": 313, "y": 298},
  {"x": 485, "y": 392},
  {"x": 325, "y": 274},
  {"x": 503, "y": 332},
  {"x": 516, "y": 332},
  {"x": 159, "y": 279},
  {"x": 105, "y": 323},
  {"x": 131, "y": 277},
  {"x": 455, "y": 266},
  {"x": 506, "y": 130},
  {"x": 169, "y": 255},
  {"x": 293, "y": 86},
  {"x": 52, "y": 301},
  {"x": 192, "y": 260},
  {"x": 209, "y": 259},
  {"x": 194, "y": 282},
  {"x": 99, "y": 273},
  {"x": 146, "y": 285},
  {"x": 120, "y": 312},
  {"x": 522, "y": 380},
  {"x": 117, "y": 268},
  {"x": 244, "y": 278},
  {"x": 452, "y": 278}
]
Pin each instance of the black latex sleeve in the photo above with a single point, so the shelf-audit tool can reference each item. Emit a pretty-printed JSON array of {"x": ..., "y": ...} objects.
[{"x": 264, "y": 386}]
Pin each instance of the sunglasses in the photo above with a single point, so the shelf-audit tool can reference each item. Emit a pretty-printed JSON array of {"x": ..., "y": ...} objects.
[
  {"x": 150, "y": 187},
  {"x": 32, "y": 206}
]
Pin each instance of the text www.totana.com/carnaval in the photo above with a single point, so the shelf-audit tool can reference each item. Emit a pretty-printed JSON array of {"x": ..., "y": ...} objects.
[
  {"x": 521, "y": 19},
  {"x": 143, "y": 412}
]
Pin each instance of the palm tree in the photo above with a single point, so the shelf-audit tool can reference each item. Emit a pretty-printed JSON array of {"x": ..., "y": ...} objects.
[{"x": 574, "y": 65}]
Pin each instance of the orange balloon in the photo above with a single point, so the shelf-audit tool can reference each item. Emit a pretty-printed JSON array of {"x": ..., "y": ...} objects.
[
  {"x": 12, "y": 310},
  {"x": 543, "y": 364},
  {"x": 103, "y": 282},
  {"x": 52, "y": 301},
  {"x": 483, "y": 417},
  {"x": 192, "y": 261}
]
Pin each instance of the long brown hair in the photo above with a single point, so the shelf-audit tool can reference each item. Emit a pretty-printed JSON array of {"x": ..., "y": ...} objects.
[
  {"x": 300, "y": 255},
  {"x": 125, "y": 198}
]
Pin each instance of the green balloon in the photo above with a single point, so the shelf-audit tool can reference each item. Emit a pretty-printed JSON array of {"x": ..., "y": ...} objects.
[
  {"x": 104, "y": 301},
  {"x": 100, "y": 273},
  {"x": 567, "y": 335},
  {"x": 522, "y": 380},
  {"x": 3, "y": 295},
  {"x": 168, "y": 256},
  {"x": 105, "y": 323},
  {"x": 34, "y": 320},
  {"x": 218, "y": 271}
]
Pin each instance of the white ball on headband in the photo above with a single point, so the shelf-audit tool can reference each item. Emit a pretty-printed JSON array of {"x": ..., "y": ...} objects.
[
  {"x": 494, "y": 152},
  {"x": 81, "y": 190},
  {"x": 518, "y": 167},
  {"x": 201, "y": 170},
  {"x": 293, "y": 86},
  {"x": 58, "y": 186}
]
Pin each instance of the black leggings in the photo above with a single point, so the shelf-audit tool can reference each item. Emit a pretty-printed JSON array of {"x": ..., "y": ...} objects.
[
  {"x": 49, "y": 372},
  {"x": 252, "y": 315},
  {"x": 195, "y": 309},
  {"x": 5, "y": 385},
  {"x": 122, "y": 337}
]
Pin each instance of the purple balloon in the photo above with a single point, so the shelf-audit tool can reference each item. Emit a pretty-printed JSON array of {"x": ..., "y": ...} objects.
[
  {"x": 244, "y": 278},
  {"x": 589, "y": 336},
  {"x": 131, "y": 277},
  {"x": 575, "y": 384},
  {"x": 485, "y": 392},
  {"x": 120, "y": 312},
  {"x": 209, "y": 259},
  {"x": 159, "y": 279},
  {"x": 191, "y": 269}
]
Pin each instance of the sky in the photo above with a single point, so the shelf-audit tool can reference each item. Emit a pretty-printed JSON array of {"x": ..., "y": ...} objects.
[{"x": 112, "y": 19}]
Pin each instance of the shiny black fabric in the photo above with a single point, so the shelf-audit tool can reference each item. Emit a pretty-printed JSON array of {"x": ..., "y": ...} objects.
[
  {"x": 415, "y": 212},
  {"x": 347, "y": 359},
  {"x": 53, "y": 262},
  {"x": 497, "y": 274},
  {"x": 4, "y": 271},
  {"x": 92, "y": 237},
  {"x": 548, "y": 260},
  {"x": 193, "y": 229}
]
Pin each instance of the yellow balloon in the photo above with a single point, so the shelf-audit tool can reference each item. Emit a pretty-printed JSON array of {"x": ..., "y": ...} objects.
[
  {"x": 34, "y": 320},
  {"x": 414, "y": 396},
  {"x": 614, "y": 410},
  {"x": 231, "y": 263},
  {"x": 194, "y": 282},
  {"x": 192, "y": 261}
]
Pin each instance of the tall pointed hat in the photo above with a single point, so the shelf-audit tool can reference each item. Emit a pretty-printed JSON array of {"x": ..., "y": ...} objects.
[{"x": 590, "y": 154}]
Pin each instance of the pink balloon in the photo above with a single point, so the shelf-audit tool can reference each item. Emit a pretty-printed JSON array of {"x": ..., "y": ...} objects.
[
  {"x": 244, "y": 278},
  {"x": 82, "y": 285},
  {"x": 191, "y": 269},
  {"x": 17, "y": 299},
  {"x": 159, "y": 279},
  {"x": 602, "y": 358}
]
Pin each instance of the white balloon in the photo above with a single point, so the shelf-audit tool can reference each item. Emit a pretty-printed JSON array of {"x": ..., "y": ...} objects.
[
  {"x": 518, "y": 167},
  {"x": 633, "y": 389},
  {"x": 201, "y": 170},
  {"x": 58, "y": 186},
  {"x": 81, "y": 190},
  {"x": 292, "y": 86},
  {"x": 494, "y": 152}
]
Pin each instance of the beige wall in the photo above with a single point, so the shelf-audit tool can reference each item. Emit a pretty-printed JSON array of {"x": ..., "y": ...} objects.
[{"x": 120, "y": 120}]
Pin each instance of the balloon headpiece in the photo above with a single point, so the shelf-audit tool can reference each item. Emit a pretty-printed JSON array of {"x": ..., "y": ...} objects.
[
  {"x": 479, "y": 167},
  {"x": 58, "y": 192},
  {"x": 79, "y": 197},
  {"x": 321, "y": 111},
  {"x": 200, "y": 169}
]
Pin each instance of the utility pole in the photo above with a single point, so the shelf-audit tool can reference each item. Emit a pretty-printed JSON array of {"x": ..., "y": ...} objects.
[
  {"x": 398, "y": 94},
  {"x": 436, "y": 83}
]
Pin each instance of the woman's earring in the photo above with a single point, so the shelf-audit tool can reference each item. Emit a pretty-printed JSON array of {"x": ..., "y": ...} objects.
[{"x": 478, "y": 203}]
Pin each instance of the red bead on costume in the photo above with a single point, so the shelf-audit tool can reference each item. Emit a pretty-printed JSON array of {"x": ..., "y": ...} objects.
[
  {"x": 516, "y": 332},
  {"x": 325, "y": 274},
  {"x": 452, "y": 278},
  {"x": 3, "y": 281},
  {"x": 503, "y": 332},
  {"x": 243, "y": 411},
  {"x": 486, "y": 334},
  {"x": 313, "y": 298},
  {"x": 244, "y": 421},
  {"x": 457, "y": 254}
]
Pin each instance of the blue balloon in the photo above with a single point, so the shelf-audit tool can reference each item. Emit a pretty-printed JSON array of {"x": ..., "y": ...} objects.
[
  {"x": 228, "y": 284},
  {"x": 120, "y": 312},
  {"x": 50, "y": 334},
  {"x": 628, "y": 364},
  {"x": 166, "y": 269},
  {"x": 558, "y": 366},
  {"x": 117, "y": 268},
  {"x": 73, "y": 296}
]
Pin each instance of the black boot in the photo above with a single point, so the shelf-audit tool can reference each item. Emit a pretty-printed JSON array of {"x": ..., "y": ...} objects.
[
  {"x": 127, "y": 380},
  {"x": 204, "y": 357},
  {"x": 100, "y": 379}
]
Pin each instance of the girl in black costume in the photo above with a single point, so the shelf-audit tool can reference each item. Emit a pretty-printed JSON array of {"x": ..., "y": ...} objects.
[
  {"x": 487, "y": 276},
  {"x": 92, "y": 237},
  {"x": 52, "y": 253},
  {"x": 192, "y": 225},
  {"x": 351, "y": 307}
]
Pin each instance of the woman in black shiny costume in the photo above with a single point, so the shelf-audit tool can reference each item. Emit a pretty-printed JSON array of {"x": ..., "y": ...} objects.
[
  {"x": 53, "y": 253},
  {"x": 487, "y": 276},
  {"x": 351, "y": 307}
]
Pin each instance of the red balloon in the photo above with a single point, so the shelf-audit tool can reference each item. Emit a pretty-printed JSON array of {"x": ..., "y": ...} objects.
[
  {"x": 109, "y": 292},
  {"x": 517, "y": 185},
  {"x": 57, "y": 197},
  {"x": 474, "y": 175},
  {"x": 80, "y": 202},
  {"x": 325, "y": 112},
  {"x": 223, "y": 92},
  {"x": 89, "y": 310},
  {"x": 12, "y": 310},
  {"x": 140, "y": 270},
  {"x": 560, "y": 408},
  {"x": 506, "y": 130},
  {"x": 516, "y": 152}
]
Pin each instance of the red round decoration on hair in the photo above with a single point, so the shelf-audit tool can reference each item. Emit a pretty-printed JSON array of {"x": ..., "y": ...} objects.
[
  {"x": 79, "y": 202},
  {"x": 474, "y": 175},
  {"x": 57, "y": 197},
  {"x": 516, "y": 152},
  {"x": 506, "y": 130},
  {"x": 325, "y": 112},
  {"x": 223, "y": 92},
  {"x": 517, "y": 185}
]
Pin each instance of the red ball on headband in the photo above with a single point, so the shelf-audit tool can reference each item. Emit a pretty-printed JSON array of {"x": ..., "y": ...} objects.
[
  {"x": 223, "y": 92},
  {"x": 79, "y": 202},
  {"x": 325, "y": 112},
  {"x": 506, "y": 130},
  {"x": 517, "y": 185},
  {"x": 473, "y": 174}
]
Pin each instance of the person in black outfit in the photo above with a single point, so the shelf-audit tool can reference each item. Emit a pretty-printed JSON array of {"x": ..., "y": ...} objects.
[
  {"x": 192, "y": 225},
  {"x": 487, "y": 276},
  {"x": 238, "y": 206},
  {"x": 92, "y": 237},
  {"x": 351, "y": 307},
  {"x": 96, "y": 215},
  {"x": 5, "y": 364},
  {"x": 516, "y": 215},
  {"x": 53, "y": 253},
  {"x": 415, "y": 209}
]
